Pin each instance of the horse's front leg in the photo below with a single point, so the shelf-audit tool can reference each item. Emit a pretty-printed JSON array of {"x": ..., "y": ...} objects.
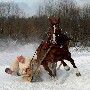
[
  {"x": 66, "y": 67},
  {"x": 75, "y": 68},
  {"x": 72, "y": 62}
]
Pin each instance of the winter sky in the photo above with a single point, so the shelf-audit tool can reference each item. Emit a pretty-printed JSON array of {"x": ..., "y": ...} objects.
[{"x": 30, "y": 6}]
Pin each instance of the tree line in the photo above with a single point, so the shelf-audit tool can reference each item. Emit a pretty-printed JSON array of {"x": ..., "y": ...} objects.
[{"x": 74, "y": 21}]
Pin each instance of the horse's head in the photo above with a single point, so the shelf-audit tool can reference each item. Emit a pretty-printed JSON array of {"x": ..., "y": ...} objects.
[
  {"x": 54, "y": 29},
  {"x": 55, "y": 25}
]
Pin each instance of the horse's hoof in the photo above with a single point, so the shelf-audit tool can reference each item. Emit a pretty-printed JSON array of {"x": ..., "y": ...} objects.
[
  {"x": 67, "y": 68},
  {"x": 52, "y": 78},
  {"x": 78, "y": 74}
]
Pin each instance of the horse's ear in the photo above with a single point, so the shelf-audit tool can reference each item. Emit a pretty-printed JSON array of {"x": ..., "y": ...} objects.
[{"x": 50, "y": 21}]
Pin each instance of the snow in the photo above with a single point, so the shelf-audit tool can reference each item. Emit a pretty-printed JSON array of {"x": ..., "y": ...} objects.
[{"x": 66, "y": 80}]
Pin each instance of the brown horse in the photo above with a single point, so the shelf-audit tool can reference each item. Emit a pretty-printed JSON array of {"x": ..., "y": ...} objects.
[{"x": 55, "y": 49}]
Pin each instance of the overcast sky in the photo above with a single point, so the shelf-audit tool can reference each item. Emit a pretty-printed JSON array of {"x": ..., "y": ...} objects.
[
  {"x": 34, "y": 2},
  {"x": 30, "y": 6}
]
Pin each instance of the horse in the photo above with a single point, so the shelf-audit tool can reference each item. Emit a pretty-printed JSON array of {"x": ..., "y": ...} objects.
[{"x": 54, "y": 49}]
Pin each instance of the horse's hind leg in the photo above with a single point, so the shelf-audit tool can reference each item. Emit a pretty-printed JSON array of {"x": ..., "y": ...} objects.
[
  {"x": 54, "y": 65},
  {"x": 47, "y": 69}
]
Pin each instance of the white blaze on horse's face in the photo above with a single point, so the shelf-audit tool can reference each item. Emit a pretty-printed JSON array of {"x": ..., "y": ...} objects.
[
  {"x": 54, "y": 40},
  {"x": 54, "y": 28}
]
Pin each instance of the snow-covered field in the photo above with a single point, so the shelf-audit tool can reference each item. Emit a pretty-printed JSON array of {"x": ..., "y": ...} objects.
[{"x": 66, "y": 80}]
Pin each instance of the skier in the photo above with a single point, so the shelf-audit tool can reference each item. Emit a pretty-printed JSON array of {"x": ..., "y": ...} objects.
[
  {"x": 28, "y": 69},
  {"x": 21, "y": 67},
  {"x": 24, "y": 63}
]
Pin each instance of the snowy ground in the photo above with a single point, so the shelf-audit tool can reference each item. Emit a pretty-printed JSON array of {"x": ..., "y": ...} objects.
[{"x": 66, "y": 80}]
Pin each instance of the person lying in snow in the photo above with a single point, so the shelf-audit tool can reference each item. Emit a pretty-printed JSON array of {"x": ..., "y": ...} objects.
[
  {"x": 22, "y": 66},
  {"x": 27, "y": 68}
]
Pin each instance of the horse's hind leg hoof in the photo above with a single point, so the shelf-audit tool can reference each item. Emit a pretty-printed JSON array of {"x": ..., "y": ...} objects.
[
  {"x": 78, "y": 74},
  {"x": 67, "y": 68}
]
